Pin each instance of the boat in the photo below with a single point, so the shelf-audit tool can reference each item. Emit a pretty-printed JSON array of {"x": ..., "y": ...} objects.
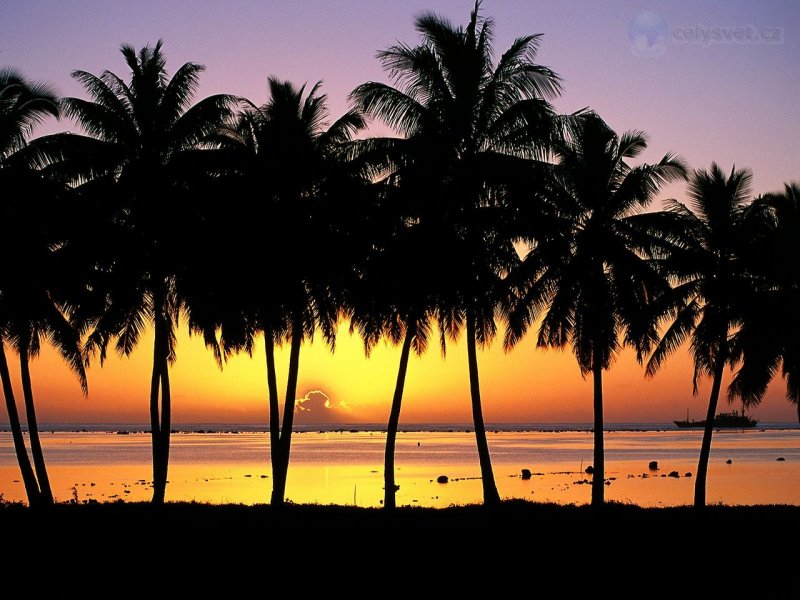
[{"x": 725, "y": 420}]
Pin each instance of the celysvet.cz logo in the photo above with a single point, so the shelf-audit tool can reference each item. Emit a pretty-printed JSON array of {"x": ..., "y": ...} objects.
[{"x": 650, "y": 35}]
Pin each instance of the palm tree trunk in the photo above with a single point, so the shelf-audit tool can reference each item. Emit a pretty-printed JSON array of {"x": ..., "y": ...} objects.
[
  {"x": 25, "y": 468},
  {"x": 280, "y": 467},
  {"x": 394, "y": 421},
  {"x": 157, "y": 430},
  {"x": 272, "y": 387},
  {"x": 166, "y": 424},
  {"x": 599, "y": 473},
  {"x": 708, "y": 431},
  {"x": 46, "y": 494},
  {"x": 491, "y": 496}
]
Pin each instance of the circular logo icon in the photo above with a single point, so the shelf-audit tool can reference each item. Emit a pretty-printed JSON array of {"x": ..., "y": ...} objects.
[{"x": 648, "y": 34}]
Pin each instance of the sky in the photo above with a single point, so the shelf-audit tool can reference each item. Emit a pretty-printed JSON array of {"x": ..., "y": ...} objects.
[{"x": 711, "y": 81}]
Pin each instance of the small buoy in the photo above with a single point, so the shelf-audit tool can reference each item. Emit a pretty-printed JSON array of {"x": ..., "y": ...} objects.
[
  {"x": 729, "y": 462},
  {"x": 780, "y": 459}
]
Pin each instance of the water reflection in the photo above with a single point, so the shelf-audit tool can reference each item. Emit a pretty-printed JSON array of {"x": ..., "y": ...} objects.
[{"x": 346, "y": 467}]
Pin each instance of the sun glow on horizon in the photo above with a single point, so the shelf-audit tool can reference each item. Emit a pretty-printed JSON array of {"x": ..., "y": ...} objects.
[{"x": 526, "y": 385}]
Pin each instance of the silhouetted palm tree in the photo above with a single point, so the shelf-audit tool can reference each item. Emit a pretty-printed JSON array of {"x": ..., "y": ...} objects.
[
  {"x": 287, "y": 169},
  {"x": 469, "y": 126},
  {"x": 768, "y": 339},
  {"x": 138, "y": 134},
  {"x": 587, "y": 275},
  {"x": 26, "y": 311},
  {"x": 713, "y": 285}
]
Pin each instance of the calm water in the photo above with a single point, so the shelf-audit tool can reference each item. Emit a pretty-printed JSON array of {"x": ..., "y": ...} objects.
[{"x": 345, "y": 467}]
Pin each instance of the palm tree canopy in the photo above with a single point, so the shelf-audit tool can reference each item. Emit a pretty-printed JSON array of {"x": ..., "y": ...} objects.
[
  {"x": 587, "y": 274},
  {"x": 713, "y": 233},
  {"x": 23, "y": 105},
  {"x": 134, "y": 164},
  {"x": 285, "y": 170},
  {"x": 471, "y": 127},
  {"x": 31, "y": 209},
  {"x": 767, "y": 341}
]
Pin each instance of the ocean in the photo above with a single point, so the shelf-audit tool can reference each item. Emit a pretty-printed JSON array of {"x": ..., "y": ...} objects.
[{"x": 343, "y": 464}]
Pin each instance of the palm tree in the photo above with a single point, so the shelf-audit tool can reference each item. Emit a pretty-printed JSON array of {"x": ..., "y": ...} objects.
[
  {"x": 469, "y": 127},
  {"x": 713, "y": 285},
  {"x": 767, "y": 339},
  {"x": 587, "y": 275},
  {"x": 139, "y": 132},
  {"x": 23, "y": 105},
  {"x": 287, "y": 164}
]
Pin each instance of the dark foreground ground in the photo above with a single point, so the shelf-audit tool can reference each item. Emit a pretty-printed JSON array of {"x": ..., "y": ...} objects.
[{"x": 517, "y": 547}]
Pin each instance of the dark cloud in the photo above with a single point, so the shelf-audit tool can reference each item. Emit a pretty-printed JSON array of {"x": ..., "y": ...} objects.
[{"x": 317, "y": 407}]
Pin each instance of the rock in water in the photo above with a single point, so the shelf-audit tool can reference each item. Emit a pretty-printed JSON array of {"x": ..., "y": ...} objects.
[
  {"x": 780, "y": 459},
  {"x": 589, "y": 470},
  {"x": 442, "y": 479},
  {"x": 729, "y": 462},
  {"x": 526, "y": 473},
  {"x": 653, "y": 465},
  {"x": 687, "y": 474},
  {"x": 674, "y": 474}
]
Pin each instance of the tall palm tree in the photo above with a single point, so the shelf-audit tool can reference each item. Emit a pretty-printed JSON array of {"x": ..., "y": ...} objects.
[
  {"x": 23, "y": 105},
  {"x": 469, "y": 126},
  {"x": 587, "y": 275},
  {"x": 288, "y": 164},
  {"x": 139, "y": 132},
  {"x": 713, "y": 285},
  {"x": 769, "y": 336}
]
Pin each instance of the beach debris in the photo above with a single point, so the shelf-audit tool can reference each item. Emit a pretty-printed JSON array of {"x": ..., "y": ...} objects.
[
  {"x": 526, "y": 473},
  {"x": 780, "y": 459},
  {"x": 653, "y": 465},
  {"x": 729, "y": 462},
  {"x": 589, "y": 470},
  {"x": 442, "y": 479},
  {"x": 687, "y": 474},
  {"x": 674, "y": 474}
]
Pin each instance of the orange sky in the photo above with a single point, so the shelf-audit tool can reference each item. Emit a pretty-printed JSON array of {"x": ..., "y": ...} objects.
[{"x": 526, "y": 385}]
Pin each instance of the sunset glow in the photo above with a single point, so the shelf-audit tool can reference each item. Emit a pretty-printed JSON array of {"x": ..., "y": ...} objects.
[{"x": 704, "y": 98}]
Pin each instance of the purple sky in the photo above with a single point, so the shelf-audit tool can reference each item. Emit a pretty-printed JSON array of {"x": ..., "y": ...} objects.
[{"x": 726, "y": 99}]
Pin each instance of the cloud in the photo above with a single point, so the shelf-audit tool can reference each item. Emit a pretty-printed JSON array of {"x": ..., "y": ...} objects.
[{"x": 317, "y": 407}]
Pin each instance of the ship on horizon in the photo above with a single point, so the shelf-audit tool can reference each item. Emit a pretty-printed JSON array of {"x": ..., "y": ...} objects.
[{"x": 725, "y": 420}]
